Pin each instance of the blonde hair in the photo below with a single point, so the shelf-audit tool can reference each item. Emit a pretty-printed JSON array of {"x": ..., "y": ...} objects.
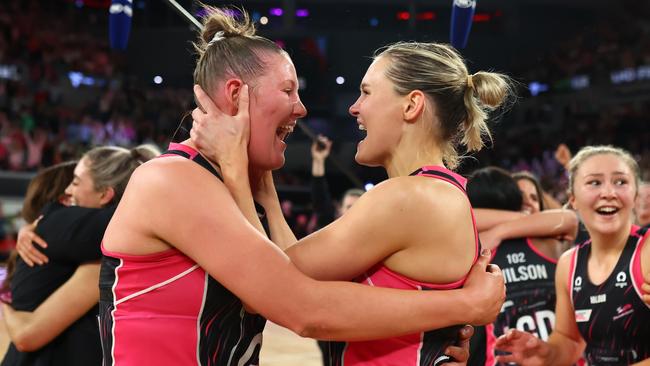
[
  {"x": 112, "y": 166},
  {"x": 590, "y": 151},
  {"x": 228, "y": 47},
  {"x": 463, "y": 101}
]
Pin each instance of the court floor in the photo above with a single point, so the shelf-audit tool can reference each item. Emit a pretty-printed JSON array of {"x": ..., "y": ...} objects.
[{"x": 281, "y": 347}]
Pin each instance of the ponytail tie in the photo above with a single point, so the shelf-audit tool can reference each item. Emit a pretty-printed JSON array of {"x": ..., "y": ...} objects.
[
  {"x": 217, "y": 37},
  {"x": 470, "y": 81},
  {"x": 135, "y": 155}
]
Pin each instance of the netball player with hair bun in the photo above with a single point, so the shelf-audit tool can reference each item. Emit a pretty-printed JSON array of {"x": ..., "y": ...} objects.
[
  {"x": 181, "y": 258},
  {"x": 417, "y": 101}
]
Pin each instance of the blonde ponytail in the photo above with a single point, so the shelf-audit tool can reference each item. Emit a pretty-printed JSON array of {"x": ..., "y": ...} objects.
[
  {"x": 485, "y": 92},
  {"x": 463, "y": 101}
]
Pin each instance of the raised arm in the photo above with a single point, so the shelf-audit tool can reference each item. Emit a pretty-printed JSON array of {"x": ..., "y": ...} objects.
[
  {"x": 30, "y": 331},
  {"x": 320, "y": 194}
]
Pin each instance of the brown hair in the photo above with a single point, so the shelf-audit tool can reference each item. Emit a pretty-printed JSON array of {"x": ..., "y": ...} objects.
[
  {"x": 462, "y": 101},
  {"x": 525, "y": 175},
  {"x": 47, "y": 186},
  {"x": 228, "y": 47}
]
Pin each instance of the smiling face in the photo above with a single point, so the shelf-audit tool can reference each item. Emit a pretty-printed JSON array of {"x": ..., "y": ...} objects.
[
  {"x": 82, "y": 188},
  {"x": 604, "y": 189},
  {"x": 274, "y": 108},
  {"x": 379, "y": 112},
  {"x": 531, "y": 199}
]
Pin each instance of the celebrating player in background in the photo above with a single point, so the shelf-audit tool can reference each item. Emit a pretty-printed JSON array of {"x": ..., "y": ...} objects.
[{"x": 600, "y": 308}]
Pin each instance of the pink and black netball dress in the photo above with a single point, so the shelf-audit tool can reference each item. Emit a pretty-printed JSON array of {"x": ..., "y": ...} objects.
[{"x": 163, "y": 309}]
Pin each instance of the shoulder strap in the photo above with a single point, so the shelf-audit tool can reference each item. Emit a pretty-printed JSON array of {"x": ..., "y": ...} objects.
[
  {"x": 439, "y": 174},
  {"x": 198, "y": 158}
]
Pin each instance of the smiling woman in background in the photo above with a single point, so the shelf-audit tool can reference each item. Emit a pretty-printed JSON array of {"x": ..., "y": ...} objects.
[{"x": 600, "y": 308}]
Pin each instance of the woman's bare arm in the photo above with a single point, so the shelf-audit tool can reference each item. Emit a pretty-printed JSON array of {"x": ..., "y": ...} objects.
[
  {"x": 30, "y": 331},
  {"x": 217, "y": 236}
]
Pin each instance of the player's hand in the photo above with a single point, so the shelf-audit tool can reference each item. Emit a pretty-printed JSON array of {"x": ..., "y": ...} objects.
[
  {"x": 460, "y": 351},
  {"x": 25, "y": 245},
  {"x": 320, "y": 149},
  {"x": 563, "y": 155},
  {"x": 525, "y": 349},
  {"x": 222, "y": 138},
  {"x": 485, "y": 285}
]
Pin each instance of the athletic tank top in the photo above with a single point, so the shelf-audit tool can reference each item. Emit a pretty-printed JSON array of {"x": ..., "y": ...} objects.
[
  {"x": 530, "y": 292},
  {"x": 163, "y": 309},
  {"x": 612, "y": 317},
  {"x": 425, "y": 348}
]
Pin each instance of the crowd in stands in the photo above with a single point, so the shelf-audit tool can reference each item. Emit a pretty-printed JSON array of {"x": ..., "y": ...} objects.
[
  {"x": 39, "y": 126},
  {"x": 618, "y": 40}
]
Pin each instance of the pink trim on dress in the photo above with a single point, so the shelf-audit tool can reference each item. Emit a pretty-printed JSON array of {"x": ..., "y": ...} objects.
[
  {"x": 572, "y": 269},
  {"x": 441, "y": 169},
  {"x": 143, "y": 257},
  {"x": 182, "y": 147},
  {"x": 491, "y": 340},
  {"x": 415, "y": 283}
]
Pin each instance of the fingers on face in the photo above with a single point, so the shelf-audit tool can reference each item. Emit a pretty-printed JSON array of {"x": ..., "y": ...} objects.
[
  {"x": 203, "y": 99},
  {"x": 197, "y": 115}
]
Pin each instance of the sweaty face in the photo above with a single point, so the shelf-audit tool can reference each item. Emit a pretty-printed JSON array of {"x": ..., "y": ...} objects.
[
  {"x": 603, "y": 194},
  {"x": 274, "y": 108},
  {"x": 379, "y": 113},
  {"x": 82, "y": 188},
  {"x": 530, "y": 202}
]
